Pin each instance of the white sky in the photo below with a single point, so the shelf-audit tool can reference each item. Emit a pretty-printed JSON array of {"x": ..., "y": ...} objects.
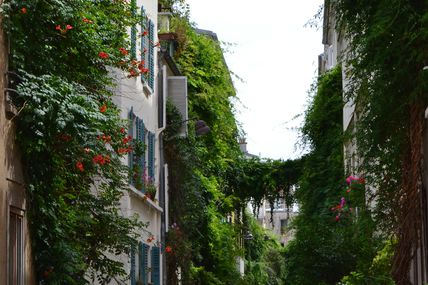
[{"x": 277, "y": 58}]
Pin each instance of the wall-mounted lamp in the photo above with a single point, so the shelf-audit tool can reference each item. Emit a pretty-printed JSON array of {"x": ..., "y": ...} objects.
[{"x": 201, "y": 128}]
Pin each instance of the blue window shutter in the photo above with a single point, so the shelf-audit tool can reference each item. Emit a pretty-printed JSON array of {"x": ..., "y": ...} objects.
[
  {"x": 142, "y": 138},
  {"x": 143, "y": 256},
  {"x": 132, "y": 272},
  {"x": 151, "y": 55},
  {"x": 143, "y": 41},
  {"x": 134, "y": 31},
  {"x": 131, "y": 118},
  {"x": 151, "y": 155},
  {"x": 156, "y": 265}
]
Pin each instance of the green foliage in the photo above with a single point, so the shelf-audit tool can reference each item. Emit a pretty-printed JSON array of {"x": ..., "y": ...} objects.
[
  {"x": 73, "y": 198},
  {"x": 265, "y": 262},
  {"x": 378, "y": 272},
  {"x": 324, "y": 249},
  {"x": 385, "y": 63},
  {"x": 387, "y": 54},
  {"x": 255, "y": 180},
  {"x": 72, "y": 53},
  {"x": 207, "y": 244},
  {"x": 69, "y": 132}
]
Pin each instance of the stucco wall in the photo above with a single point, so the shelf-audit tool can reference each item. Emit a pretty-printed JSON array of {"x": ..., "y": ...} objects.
[{"x": 12, "y": 190}]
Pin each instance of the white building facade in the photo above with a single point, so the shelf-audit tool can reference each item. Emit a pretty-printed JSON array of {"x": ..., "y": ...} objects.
[{"x": 137, "y": 96}]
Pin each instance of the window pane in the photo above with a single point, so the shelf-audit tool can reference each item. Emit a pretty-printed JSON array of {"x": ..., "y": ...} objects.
[{"x": 16, "y": 250}]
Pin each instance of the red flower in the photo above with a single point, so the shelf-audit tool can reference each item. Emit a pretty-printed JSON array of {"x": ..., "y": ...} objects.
[
  {"x": 337, "y": 218},
  {"x": 144, "y": 70},
  {"x": 68, "y": 27},
  {"x": 122, "y": 130},
  {"x": 23, "y": 10},
  {"x": 100, "y": 159},
  {"x": 86, "y": 20},
  {"x": 103, "y": 108},
  {"x": 144, "y": 33},
  {"x": 132, "y": 73},
  {"x": 79, "y": 165},
  {"x": 168, "y": 249},
  {"x": 126, "y": 139},
  {"x": 58, "y": 28},
  {"x": 64, "y": 137},
  {"x": 103, "y": 55},
  {"x": 122, "y": 150},
  {"x": 123, "y": 51}
]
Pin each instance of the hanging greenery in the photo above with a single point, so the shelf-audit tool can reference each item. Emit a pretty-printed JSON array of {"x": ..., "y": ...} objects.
[{"x": 330, "y": 239}]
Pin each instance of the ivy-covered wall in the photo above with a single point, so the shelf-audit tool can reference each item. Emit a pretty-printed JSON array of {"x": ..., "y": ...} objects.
[
  {"x": 70, "y": 134},
  {"x": 386, "y": 58}
]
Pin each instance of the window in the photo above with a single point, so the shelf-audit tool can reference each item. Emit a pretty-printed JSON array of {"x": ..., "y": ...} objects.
[
  {"x": 279, "y": 205},
  {"x": 147, "y": 49},
  {"x": 284, "y": 225},
  {"x": 137, "y": 157},
  {"x": 16, "y": 247}
]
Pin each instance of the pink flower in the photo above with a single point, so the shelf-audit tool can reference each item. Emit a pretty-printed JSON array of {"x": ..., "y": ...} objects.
[
  {"x": 58, "y": 27},
  {"x": 23, "y": 10},
  {"x": 342, "y": 202},
  {"x": 68, "y": 27},
  {"x": 351, "y": 178},
  {"x": 337, "y": 218}
]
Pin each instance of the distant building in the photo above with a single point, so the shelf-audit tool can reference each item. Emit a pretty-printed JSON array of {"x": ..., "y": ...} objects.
[{"x": 277, "y": 220}]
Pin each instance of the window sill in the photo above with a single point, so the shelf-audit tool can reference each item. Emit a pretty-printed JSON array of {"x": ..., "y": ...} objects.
[
  {"x": 146, "y": 89},
  {"x": 144, "y": 198}
]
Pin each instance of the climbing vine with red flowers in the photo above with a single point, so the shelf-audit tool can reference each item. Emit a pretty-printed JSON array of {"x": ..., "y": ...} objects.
[{"x": 71, "y": 135}]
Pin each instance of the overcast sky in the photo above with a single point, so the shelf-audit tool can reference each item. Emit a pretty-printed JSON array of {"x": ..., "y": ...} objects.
[{"x": 277, "y": 58}]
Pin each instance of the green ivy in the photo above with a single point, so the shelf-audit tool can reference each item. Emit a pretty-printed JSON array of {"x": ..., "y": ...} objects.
[
  {"x": 326, "y": 247},
  {"x": 70, "y": 134}
]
